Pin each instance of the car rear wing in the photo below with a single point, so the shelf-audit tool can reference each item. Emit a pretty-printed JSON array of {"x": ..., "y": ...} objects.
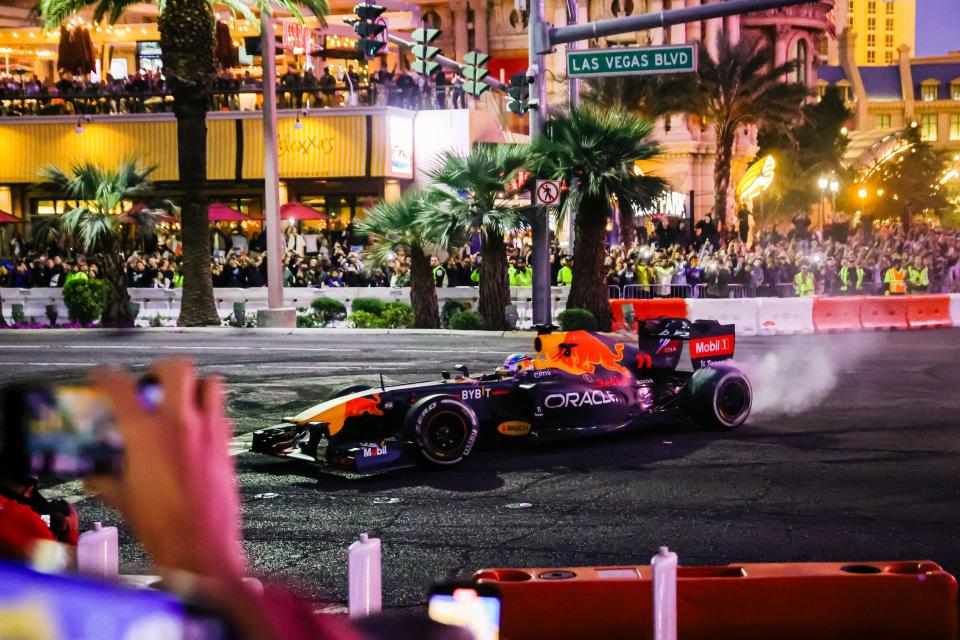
[{"x": 709, "y": 341}]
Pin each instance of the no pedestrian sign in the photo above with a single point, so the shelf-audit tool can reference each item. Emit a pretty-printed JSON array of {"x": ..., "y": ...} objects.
[
  {"x": 622, "y": 61},
  {"x": 548, "y": 192}
]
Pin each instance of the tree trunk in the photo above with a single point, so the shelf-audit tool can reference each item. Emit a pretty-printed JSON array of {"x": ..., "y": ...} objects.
[
  {"x": 186, "y": 39},
  {"x": 117, "y": 311},
  {"x": 627, "y": 223},
  {"x": 423, "y": 291},
  {"x": 494, "y": 282},
  {"x": 721, "y": 176},
  {"x": 588, "y": 290}
]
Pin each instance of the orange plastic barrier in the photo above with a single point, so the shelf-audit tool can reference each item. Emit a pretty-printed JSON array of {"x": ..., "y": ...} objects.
[
  {"x": 837, "y": 314},
  {"x": 804, "y": 601},
  {"x": 926, "y": 312},
  {"x": 884, "y": 312},
  {"x": 645, "y": 309}
]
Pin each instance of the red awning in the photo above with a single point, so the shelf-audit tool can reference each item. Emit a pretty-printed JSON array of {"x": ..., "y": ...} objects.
[
  {"x": 219, "y": 212},
  {"x": 6, "y": 218},
  {"x": 298, "y": 211}
]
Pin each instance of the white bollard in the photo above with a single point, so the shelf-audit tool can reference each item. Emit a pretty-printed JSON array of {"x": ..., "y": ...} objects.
[
  {"x": 97, "y": 552},
  {"x": 664, "y": 595},
  {"x": 363, "y": 560}
]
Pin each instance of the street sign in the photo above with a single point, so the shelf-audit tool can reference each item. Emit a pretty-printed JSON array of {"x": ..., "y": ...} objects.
[
  {"x": 633, "y": 61},
  {"x": 547, "y": 192}
]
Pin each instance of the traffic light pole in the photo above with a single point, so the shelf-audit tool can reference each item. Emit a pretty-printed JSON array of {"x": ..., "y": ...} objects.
[{"x": 541, "y": 226}]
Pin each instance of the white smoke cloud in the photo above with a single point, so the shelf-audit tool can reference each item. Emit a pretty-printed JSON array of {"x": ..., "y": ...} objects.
[{"x": 796, "y": 377}]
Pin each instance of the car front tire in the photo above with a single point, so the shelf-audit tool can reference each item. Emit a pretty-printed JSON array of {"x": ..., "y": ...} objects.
[{"x": 443, "y": 428}]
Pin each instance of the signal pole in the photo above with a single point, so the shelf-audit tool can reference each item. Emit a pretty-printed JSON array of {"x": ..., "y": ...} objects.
[{"x": 538, "y": 115}]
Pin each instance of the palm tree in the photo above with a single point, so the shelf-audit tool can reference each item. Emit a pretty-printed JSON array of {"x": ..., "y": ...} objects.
[
  {"x": 596, "y": 149},
  {"x": 187, "y": 45},
  {"x": 402, "y": 223},
  {"x": 100, "y": 197},
  {"x": 742, "y": 86},
  {"x": 470, "y": 192}
]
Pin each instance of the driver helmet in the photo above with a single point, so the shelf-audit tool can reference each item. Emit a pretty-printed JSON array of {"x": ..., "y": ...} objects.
[{"x": 517, "y": 362}]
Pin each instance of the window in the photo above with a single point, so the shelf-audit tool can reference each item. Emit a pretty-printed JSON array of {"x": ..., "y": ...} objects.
[
  {"x": 802, "y": 56},
  {"x": 888, "y": 40},
  {"x": 955, "y": 126},
  {"x": 888, "y": 57},
  {"x": 928, "y": 91},
  {"x": 871, "y": 24},
  {"x": 889, "y": 24},
  {"x": 871, "y": 56},
  {"x": 871, "y": 6},
  {"x": 871, "y": 40},
  {"x": 883, "y": 120},
  {"x": 928, "y": 127},
  {"x": 888, "y": 7},
  {"x": 431, "y": 20},
  {"x": 955, "y": 90}
]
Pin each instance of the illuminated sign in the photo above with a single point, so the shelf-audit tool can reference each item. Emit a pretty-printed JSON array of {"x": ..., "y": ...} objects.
[
  {"x": 401, "y": 144},
  {"x": 757, "y": 179},
  {"x": 671, "y": 203}
]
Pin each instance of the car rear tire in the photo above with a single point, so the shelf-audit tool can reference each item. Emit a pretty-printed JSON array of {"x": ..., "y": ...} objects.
[
  {"x": 443, "y": 428},
  {"x": 721, "y": 397}
]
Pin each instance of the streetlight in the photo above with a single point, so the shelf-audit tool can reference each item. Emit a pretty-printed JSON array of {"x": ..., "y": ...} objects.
[{"x": 823, "y": 183}]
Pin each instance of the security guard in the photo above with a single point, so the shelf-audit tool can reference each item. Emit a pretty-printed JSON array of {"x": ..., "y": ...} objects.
[
  {"x": 845, "y": 276},
  {"x": 803, "y": 283},
  {"x": 520, "y": 275},
  {"x": 896, "y": 279},
  {"x": 439, "y": 273},
  {"x": 917, "y": 277}
]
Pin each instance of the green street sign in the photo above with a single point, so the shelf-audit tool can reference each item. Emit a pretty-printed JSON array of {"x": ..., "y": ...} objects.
[{"x": 633, "y": 61}]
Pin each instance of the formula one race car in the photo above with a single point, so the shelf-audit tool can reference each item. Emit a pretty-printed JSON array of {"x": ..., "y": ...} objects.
[{"x": 576, "y": 383}]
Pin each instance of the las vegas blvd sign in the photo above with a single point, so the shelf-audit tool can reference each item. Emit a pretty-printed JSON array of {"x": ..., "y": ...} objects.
[{"x": 633, "y": 61}]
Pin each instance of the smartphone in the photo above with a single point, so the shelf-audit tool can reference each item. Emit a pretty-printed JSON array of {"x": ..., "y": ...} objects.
[
  {"x": 41, "y": 606},
  {"x": 66, "y": 430},
  {"x": 475, "y": 607}
]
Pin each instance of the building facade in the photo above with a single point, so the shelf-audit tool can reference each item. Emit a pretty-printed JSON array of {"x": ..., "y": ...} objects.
[{"x": 882, "y": 27}]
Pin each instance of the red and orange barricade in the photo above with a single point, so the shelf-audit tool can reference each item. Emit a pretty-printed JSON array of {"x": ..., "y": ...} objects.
[
  {"x": 927, "y": 312},
  {"x": 794, "y": 601},
  {"x": 646, "y": 309},
  {"x": 837, "y": 314}
]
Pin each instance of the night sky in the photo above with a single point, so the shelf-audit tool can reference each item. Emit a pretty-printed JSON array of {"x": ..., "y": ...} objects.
[{"x": 938, "y": 26}]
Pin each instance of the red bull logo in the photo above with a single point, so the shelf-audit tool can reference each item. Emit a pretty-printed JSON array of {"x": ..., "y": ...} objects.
[
  {"x": 579, "y": 352},
  {"x": 336, "y": 412},
  {"x": 361, "y": 406}
]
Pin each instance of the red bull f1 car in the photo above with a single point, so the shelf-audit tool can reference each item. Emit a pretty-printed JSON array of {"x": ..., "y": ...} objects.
[{"x": 577, "y": 383}]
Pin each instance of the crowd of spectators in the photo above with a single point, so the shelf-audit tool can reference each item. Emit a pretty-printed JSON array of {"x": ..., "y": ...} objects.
[
  {"x": 664, "y": 261},
  {"x": 147, "y": 91}
]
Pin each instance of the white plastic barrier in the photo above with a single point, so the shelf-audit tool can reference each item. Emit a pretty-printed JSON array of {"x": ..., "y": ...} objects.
[
  {"x": 785, "y": 316},
  {"x": 739, "y": 311},
  {"x": 955, "y": 309},
  {"x": 165, "y": 303}
]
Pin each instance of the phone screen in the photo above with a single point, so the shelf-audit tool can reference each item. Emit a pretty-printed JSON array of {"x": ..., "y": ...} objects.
[
  {"x": 465, "y": 607},
  {"x": 67, "y": 430},
  {"x": 39, "y": 606}
]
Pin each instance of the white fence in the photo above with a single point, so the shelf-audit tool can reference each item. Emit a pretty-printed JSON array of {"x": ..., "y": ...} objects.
[{"x": 165, "y": 303}]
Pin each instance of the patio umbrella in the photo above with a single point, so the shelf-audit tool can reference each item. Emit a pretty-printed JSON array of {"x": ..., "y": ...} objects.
[
  {"x": 75, "y": 52},
  {"x": 6, "y": 218},
  {"x": 298, "y": 211},
  {"x": 219, "y": 212}
]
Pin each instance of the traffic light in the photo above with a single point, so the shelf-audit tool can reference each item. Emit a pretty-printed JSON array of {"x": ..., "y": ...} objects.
[
  {"x": 473, "y": 71},
  {"x": 369, "y": 26},
  {"x": 518, "y": 95},
  {"x": 423, "y": 52}
]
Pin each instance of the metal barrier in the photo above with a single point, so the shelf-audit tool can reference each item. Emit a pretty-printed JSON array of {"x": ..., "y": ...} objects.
[
  {"x": 645, "y": 291},
  {"x": 613, "y": 292}
]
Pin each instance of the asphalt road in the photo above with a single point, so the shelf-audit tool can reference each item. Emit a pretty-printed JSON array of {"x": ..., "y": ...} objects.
[{"x": 852, "y": 455}]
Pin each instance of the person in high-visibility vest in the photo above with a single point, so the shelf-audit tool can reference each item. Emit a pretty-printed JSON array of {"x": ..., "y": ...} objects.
[
  {"x": 439, "y": 273},
  {"x": 851, "y": 278},
  {"x": 803, "y": 283},
  {"x": 565, "y": 274},
  {"x": 520, "y": 275},
  {"x": 895, "y": 279},
  {"x": 917, "y": 276}
]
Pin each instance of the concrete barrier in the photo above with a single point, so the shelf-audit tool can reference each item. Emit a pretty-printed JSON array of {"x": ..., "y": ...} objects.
[
  {"x": 741, "y": 312},
  {"x": 784, "y": 316},
  {"x": 955, "y": 309}
]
